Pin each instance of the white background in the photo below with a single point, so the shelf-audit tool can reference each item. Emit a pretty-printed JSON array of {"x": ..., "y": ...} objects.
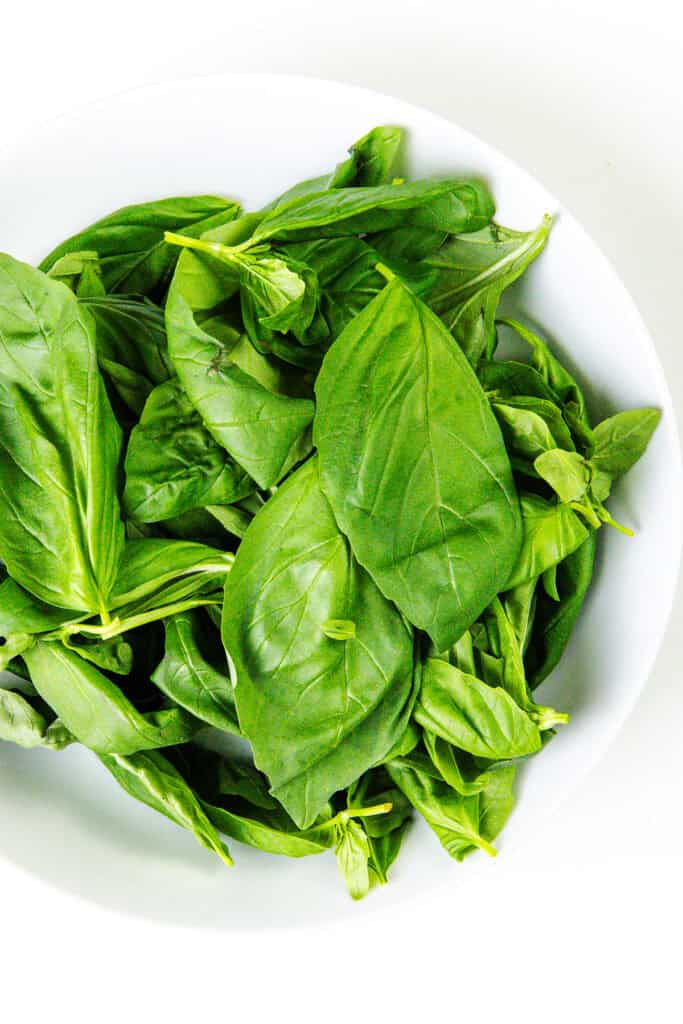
[{"x": 588, "y": 97}]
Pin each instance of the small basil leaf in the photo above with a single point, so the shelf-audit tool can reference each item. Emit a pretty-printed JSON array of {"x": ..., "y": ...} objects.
[
  {"x": 190, "y": 679},
  {"x": 551, "y": 532},
  {"x": 474, "y": 717},
  {"x": 173, "y": 465},
  {"x": 622, "y": 439}
]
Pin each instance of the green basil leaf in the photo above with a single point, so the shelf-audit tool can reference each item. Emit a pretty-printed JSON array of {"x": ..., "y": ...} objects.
[
  {"x": 235, "y": 798},
  {"x": 21, "y": 612},
  {"x": 132, "y": 388},
  {"x": 371, "y": 160},
  {"x": 525, "y": 432},
  {"x": 414, "y": 466},
  {"x": 24, "y": 725},
  {"x": 265, "y": 433},
  {"x": 567, "y": 473},
  {"x": 551, "y": 532},
  {"x": 455, "y": 768},
  {"x": 506, "y": 378},
  {"x": 130, "y": 241},
  {"x": 249, "y": 829},
  {"x": 173, "y": 465},
  {"x": 131, "y": 345},
  {"x": 114, "y": 655},
  {"x": 148, "y": 565},
  {"x": 317, "y": 712},
  {"x": 554, "y": 623},
  {"x": 451, "y": 205},
  {"x": 474, "y": 717},
  {"x": 151, "y": 778},
  {"x": 60, "y": 530},
  {"x": 455, "y": 819},
  {"x": 190, "y": 679},
  {"x": 622, "y": 439},
  {"x": 95, "y": 710},
  {"x": 475, "y": 269},
  {"x": 558, "y": 378},
  {"x": 520, "y": 608},
  {"x": 352, "y": 851},
  {"x": 81, "y": 272}
]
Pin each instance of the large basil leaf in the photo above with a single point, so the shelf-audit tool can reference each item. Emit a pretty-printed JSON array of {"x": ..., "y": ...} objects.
[
  {"x": 266, "y": 433},
  {"x": 316, "y": 711},
  {"x": 190, "y": 679},
  {"x": 130, "y": 242},
  {"x": 151, "y": 778},
  {"x": 414, "y": 466},
  {"x": 451, "y": 205},
  {"x": 60, "y": 530},
  {"x": 551, "y": 532},
  {"x": 475, "y": 269},
  {"x": 95, "y": 710},
  {"x": 173, "y": 464},
  {"x": 483, "y": 720}
]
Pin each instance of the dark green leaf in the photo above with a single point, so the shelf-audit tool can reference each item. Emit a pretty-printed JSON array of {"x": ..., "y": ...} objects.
[
  {"x": 414, "y": 465},
  {"x": 554, "y": 623},
  {"x": 452, "y": 205},
  {"x": 454, "y": 818},
  {"x": 173, "y": 465},
  {"x": 372, "y": 159},
  {"x": 266, "y": 433},
  {"x": 130, "y": 241},
  {"x": 190, "y": 679},
  {"x": 317, "y": 712}
]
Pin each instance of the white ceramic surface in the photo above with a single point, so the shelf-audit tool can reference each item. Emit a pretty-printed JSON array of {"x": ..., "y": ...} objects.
[{"x": 61, "y": 816}]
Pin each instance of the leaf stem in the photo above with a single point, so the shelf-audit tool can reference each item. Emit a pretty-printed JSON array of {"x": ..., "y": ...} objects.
[
  {"x": 353, "y": 812},
  {"x": 606, "y": 518},
  {"x": 384, "y": 270},
  {"x": 216, "y": 249},
  {"x": 117, "y": 626}
]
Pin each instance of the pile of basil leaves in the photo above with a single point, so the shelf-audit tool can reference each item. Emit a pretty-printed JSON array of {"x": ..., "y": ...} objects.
[{"x": 264, "y": 477}]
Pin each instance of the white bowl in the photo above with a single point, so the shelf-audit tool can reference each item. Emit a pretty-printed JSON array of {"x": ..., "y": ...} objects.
[{"x": 251, "y": 136}]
